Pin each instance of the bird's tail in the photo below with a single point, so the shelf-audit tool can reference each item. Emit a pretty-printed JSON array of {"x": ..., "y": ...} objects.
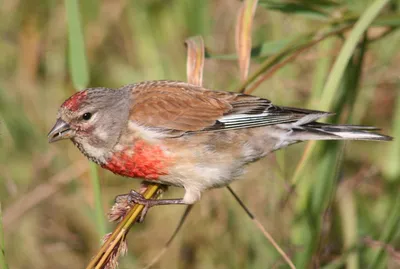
[{"x": 323, "y": 131}]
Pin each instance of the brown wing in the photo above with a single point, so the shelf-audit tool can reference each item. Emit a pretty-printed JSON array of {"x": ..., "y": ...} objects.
[
  {"x": 177, "y": 105},
  {"x": 184, "y": 107}
]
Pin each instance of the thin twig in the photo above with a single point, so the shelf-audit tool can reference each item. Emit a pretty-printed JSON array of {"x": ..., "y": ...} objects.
[
  {"x": 275, "y": 67},
  {"x": 387, "y": 247},
  {"x": 177, "y": 229},
  {"x": 292, "y": 47},
  {"x": 262, "y": 229}
]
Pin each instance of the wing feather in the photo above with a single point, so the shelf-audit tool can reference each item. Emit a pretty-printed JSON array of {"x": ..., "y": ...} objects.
[{"x": 183, "y": 107}]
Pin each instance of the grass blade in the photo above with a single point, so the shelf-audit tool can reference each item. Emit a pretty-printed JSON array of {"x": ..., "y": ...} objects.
[
  {"x": 98, "y": 205},
  {"x": 333, "y": 82},
  {"x": 329, "y": 92},
  {"x": 317, "y": 192},
  {"x": 389, "y": 232},
  {"x": 392, "y": 168},
  {"x": 300, "y": 8},
  {"x": 80, "y": 77},
  {"x": 3, "y": 262},
  {"x": 77, "y": 57},
  {"x": 300, "y": 43},
  {"x": 347, "y": 207}
]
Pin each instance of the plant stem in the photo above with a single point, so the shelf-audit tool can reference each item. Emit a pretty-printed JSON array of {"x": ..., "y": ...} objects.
[
  {"x": 3, "y": 262},
  {"x": 80, "y": 77}
]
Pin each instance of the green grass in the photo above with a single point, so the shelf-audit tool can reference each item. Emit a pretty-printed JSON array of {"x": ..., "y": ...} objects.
[
  {"x": 79, "y": 72},
  {"x": 343, "y": 193},
  {"x": 3, "y": 261},
  {"x": 336, "y": 74}
]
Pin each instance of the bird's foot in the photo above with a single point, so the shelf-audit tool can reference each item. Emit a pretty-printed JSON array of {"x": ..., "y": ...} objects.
[
  {"x": 134, "y": 197},
  {"x": 137, "y": 198}
]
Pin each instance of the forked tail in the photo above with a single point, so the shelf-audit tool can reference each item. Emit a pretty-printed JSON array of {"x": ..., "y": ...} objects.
[
  {"x": 323, "y": 131},
  {"x": 307, "y": 128}
]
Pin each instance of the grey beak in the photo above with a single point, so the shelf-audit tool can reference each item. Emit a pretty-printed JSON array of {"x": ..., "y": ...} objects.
[{"x": 60, "y": 130}]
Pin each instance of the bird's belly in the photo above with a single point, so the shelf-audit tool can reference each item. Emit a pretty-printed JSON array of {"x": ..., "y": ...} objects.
[
  {"x": 202, "y": 175},
  {"x": 211, "y": 160}
]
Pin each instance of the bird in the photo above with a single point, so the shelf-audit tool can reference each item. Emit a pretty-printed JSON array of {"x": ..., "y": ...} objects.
[{"x": 184, "y": 135}]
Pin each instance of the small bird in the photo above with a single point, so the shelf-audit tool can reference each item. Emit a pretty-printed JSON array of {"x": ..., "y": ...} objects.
[{"x": 184, "y": 135}]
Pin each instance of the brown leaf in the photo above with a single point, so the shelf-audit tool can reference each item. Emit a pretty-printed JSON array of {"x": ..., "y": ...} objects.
[
  {"x": 243, "y": 35},
  {"x": 195, "y": 60}
]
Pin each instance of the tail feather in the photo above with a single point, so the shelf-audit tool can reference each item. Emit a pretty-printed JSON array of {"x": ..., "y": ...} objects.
[
  {"x": 343, "y": 126},
  {"x": 323, "y": 131}
]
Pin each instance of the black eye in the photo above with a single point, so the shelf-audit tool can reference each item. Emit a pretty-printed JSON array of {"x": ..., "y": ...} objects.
[{"x": 87, "y": 116}]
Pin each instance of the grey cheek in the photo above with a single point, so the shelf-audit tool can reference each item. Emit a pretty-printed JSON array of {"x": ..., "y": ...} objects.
[{"x": 101, "y": 134}]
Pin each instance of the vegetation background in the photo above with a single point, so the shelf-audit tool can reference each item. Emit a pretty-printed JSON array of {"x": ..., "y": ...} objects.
[{"x": 335, "y": 205}]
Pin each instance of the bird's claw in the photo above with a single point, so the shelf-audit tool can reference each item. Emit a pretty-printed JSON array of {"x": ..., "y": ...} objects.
[
  {"x": 134, "y": 197},
  {"x": 137, "y": 198}
]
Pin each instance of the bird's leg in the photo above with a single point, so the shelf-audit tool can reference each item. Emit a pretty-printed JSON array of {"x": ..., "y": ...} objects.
[{"x": 135, "y": 197}]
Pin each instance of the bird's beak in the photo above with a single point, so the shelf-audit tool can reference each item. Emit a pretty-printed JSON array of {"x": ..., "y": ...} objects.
[{"x": 60, "y": 130}]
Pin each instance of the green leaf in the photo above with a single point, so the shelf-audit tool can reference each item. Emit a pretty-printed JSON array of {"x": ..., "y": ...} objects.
[
  {"x": 388, "y": 20},
  {"x": 319, "y": 189},
  {"x": 332, "y": 84},
  {"x": 77, "y": 56},
  {"x": 80, "y": 78},
  {"x": 261, "y": 51},
  {"x": 3, "y": 262},
  {"x": 389, "y": 231},
  {"x": 392, "y": 167},
  {"x": 17, "y": 123},
  {"x": 300, "y": 8}
]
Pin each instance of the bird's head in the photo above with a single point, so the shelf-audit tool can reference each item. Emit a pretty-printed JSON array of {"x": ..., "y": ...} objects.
[{"x": 93, "y": 119}]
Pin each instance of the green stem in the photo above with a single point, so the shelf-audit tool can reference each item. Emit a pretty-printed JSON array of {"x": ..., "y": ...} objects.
[
  {"x": 333, "y": 82},
  {"x": 99, "y": 212},
  {"x": 3, "y": 262},
  {"x": 389, "y": 232},
  {"x": 80, "y": 77},
  {"x": 76, "y": 45}
]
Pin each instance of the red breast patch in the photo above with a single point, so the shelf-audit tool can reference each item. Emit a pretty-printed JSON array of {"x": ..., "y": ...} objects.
[{"x": 148, "y": 161}]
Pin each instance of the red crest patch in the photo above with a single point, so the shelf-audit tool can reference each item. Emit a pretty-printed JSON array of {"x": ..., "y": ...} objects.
[{"x": 74, "y": 102}]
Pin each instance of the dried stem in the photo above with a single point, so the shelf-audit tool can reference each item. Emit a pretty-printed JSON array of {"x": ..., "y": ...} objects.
[
  {"x": 177, "y": 229},
  {"x": 195, "y": 60},
  {"x": 262, "y": 229},
  {"x": 113, "y": 246}
]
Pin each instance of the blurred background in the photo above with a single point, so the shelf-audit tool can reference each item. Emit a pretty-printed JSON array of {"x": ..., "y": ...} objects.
[{"x": 339, "y": 208}]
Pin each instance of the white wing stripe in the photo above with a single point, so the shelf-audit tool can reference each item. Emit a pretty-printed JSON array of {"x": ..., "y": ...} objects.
[{"x": 247, "y": 117}]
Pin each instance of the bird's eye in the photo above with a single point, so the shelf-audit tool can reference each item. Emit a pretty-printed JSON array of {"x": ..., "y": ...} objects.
[{"x": 87, "y": 116}]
